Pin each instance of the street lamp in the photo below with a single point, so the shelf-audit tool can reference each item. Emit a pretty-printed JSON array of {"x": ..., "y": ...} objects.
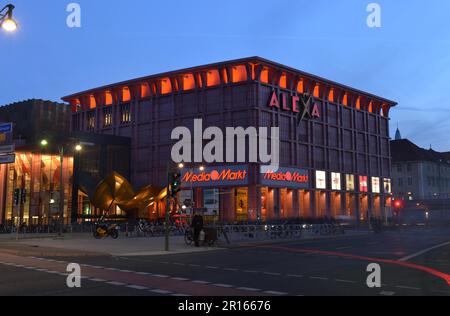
[
  {"x": 78, "y": 148},
  {"x": 6, "y": 19}
]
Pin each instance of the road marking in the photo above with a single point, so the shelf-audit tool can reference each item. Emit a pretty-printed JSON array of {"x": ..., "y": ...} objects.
[
  {"x": 272, "y": 273},
  {"x": 250, "y": 271},
  {"x": 223, "y": 285},
  {"x": 97, "y": 280},
  {"x": 230, "y": 269},
  {"x": 112, "y": 269},
  {"x": 250, "y": 289},
  {"x": 116, "y": 283},
  {"x": 180, "y": 279},
  {"x": 143, "y": 273},
  {"x": 387, "y": 293},
  {"x": 180, "y": 295},
  {"x": 274, "y": 293},
  {"x": 158, "y": 291},
  {"x": 318, "y": 278},
  {"x": 417, "y": 254},
  {"x": 137, "y": 287},
  {"x": 295, "y": 276},
  {"x": 201, "y": 282},
  {"x": 125, "y": 271},
  {"x": 345, "y": 281},
  {"x": 211, "y": 267},
  {"x": 163, "y": 276},
  {"x": 342, "y": 248},
  {"x": 195, "y": 265},
  {"x": 408, "y": 287}
]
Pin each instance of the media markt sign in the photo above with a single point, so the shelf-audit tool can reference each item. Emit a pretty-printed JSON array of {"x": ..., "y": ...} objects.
[
  {"x": 215, "y": 176},
  {"x": 285, "y": 178}
]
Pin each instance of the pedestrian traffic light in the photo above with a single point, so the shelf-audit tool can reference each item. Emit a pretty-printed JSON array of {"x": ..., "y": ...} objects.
[
  {"x": 175, "y": 184},
  {"x": 16, "y": 197}
]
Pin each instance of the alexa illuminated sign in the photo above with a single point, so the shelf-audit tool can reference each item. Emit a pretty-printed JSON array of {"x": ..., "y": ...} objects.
[{"x": 301, "y": 105}]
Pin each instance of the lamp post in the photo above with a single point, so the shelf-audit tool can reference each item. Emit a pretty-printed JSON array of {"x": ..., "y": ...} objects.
[
  {"x": 78, "y": 148},
  {"x": 6, "y": 18}
]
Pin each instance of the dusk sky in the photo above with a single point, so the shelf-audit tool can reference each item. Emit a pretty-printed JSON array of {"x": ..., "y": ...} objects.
[{"x": 406, "y": 60}]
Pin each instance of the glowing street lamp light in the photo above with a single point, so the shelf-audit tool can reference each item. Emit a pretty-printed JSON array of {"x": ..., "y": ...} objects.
[
  {"x": 44, "y": 142},
  {"x": 78, "y": 148},
  {"x": 6, "y": 18}
]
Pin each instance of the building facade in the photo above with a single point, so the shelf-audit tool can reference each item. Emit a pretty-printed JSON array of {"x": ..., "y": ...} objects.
[
  {"x": 334, "y": 140},
  {"x": 419, "y": 174}
]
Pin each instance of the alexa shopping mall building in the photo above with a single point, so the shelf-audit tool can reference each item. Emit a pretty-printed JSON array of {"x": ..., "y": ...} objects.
[{"x": 334, "y": 139}]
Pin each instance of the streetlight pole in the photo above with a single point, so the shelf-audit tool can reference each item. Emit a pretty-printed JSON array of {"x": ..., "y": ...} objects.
[{"x": 61, "y": 192}]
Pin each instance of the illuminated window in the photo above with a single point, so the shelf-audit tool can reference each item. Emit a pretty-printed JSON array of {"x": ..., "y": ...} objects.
[
  {"x": 363, "y": 184},
  {"x": 92, "y": 102},
  {"x": 212, "y": 78},
  {"x": 91, "y": 120},
  {"x": 300, "y": 88},
  {"x": 188, "y": 82},
  {"x": 239, "y": 73},
  {"x": 283, "y": 81},
  {"x": 166, "y": 86},
  {"x": 145, "y": 90},
  {"x": 375, "y": 185},
  {"x": 350, "y": 182},
  {"x": 345, "y": 100},
  {"x": 317, "y": 91},
  {"x": 125, "y": 113},
  {"x": 331, "y": 96},
  {"x": 387, "y": 186},
  {"x": 321, "y": 180},
  {"x": 335, "y": 181},
  {"x": 126, "y": 95},
  {"x": 107, "y": 117},
  {"x": 108, "y": 98},
  {"x": 370, "y": 108},
  {"x": 264, "y": 77},
  {"x": 358, "y": 103}
]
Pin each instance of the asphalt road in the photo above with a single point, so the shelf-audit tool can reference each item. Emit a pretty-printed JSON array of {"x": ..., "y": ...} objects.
[{"x": 322, "y": 267}]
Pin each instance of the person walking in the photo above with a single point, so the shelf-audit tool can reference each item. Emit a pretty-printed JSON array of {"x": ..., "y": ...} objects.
[{"x": 197, "y": 226}]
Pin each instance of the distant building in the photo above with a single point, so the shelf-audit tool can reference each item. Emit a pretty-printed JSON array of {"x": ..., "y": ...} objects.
[{"x": 419, "y": 173}]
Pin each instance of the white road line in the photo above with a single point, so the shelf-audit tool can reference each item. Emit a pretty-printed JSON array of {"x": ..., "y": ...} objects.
[
  {"x": 143, "y": 273},
  {"x": 344, "y": 281},
  {"x": 223, "y": 285},
  {"x": 158, "y": 291},
  {"x": 125, "y": 271},
  {"x": 179, "y": 294},
  {"x": 250, "y": 271},
  {"x": 295, "y": 276},
  {"x": 97, "y": 280},
  {"x": 387, "y": 293},
  {"x": 272, "y": 273},
  {"x": 319, "y": 278},
  {"x": 163, "y": 276},
  {"x": 116, "y": 283},
  {"x": 195, "y": 265},
  {"x": 137, "y": 287},
  {"x": 230, "y": 269},
  {"x": 112, "y": 269},
  {"x": 250, "y": 289},
  {"x": 274, "y": 293},
  {"x": 180, "y": 279},
  {"x": 408, "y": 287},
  {"x": 201, "y": 282},
  {"x": 417, "y": 254}
]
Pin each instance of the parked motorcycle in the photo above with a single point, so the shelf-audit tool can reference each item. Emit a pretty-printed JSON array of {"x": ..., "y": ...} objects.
[{"x": 103, "y": 230}]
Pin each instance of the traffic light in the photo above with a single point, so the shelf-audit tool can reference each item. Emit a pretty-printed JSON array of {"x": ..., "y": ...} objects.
[
  {"x": 398, "y": 204},
  {"x": 175, "y": 184},
  {"x": 23, "y": 196},
  {"x": 16, "y": 197}
]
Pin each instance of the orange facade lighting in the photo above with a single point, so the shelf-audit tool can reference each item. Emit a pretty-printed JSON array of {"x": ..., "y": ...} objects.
[
  {"x": 239, "y": 73},
  {"x": 188, "y": 82},
  {"x": 283, "y": 81},
  {"x": 212, "y": 78},
  {"x": 300, "y": 86},
  {"x": 264, "y": 77},
  {"x": 358, "y": 103},
  {"x": 166, "y": 86},
  {"x": 331, "y": 95},
  {"x": 92, "y": 102},
  {"x": 108, "y": 98},
  {"x": 345, "y": 100},
  {"x": 225, "y": 76},
  {"x": 145, "y": 90},
  {"x": 317, "y": 91},
  {"x": 126, "y": 94}
]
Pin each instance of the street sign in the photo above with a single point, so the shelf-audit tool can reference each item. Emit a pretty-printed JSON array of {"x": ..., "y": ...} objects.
[
  {"x": 6, "y": 159},
  {"x": 7, "y": 149},
  {"x": 6, "y": 128}
]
